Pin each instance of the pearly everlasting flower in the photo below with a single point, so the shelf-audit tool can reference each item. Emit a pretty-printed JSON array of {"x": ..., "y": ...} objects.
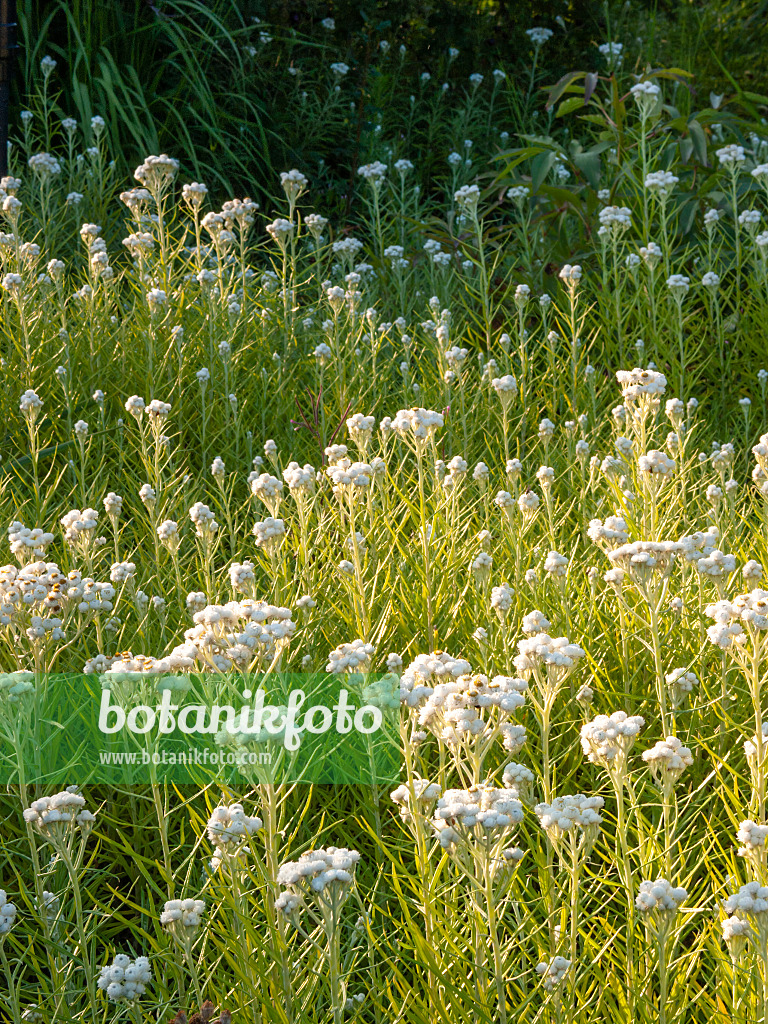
[
  {"x": 539, "y": 35},
  {"x": 607, "y": 739},
  {"x": 7, "y": 914},
  {"x": 229, "y": 829},
  {"x": 418, "y": 425},
  {"x": 479, "y": 814},
  {"x": 57, "y": 817},
  {"x": 731, "y": 156},
  {"x": 351, "y": 657},
  {"x": 574, "y": 817},
  {"x": 125, "y": 980},
  {"x": 324, "y": 876},
  {"x": 659, "y": 902},
  {"x": 553, "y": 974},
  {"x": 667, "y": 760},
  {"x": 182, "y": 919},
  {"x": 680, "y": 682},
  {"x": 269, "y": 534}
]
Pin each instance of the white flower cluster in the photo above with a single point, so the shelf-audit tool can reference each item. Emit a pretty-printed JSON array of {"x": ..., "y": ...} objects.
[
  {"x": 555, "y": 656},
  {"x": 418, "y": 425},
  {"x": 608, "y": 534},
  {"x": 553, "y": 973},
  {"x": 667, "y": 760},
  {"x": 519, "y": 779},
  {"x": 659, "y": 901},
  {"x": 58, "y": 816},
  {"x": 641, "y": 384},
  {"x": 25, "y": 542},
  {"x": 7, "y": 914},
  {"x": 680, "y": 681},
  {"x": 750, "y": 609},
  {"x": 239, "y": 635},
  {"x": 269, "y": 534},
  {"x": 352, "y": 657},
  {"x": 229, "y": 828},
  {"x": 477, "y": 812},
  {"x": 425, "y": 671},
  {"x": 424, "y": 792},
  {"x": 607, "y": 739},
  {"x": 183, "y": 918},
  {"x": 570, "y": 815},
  {"x": 749, "y": 904},
  {"x": 125, "y": 980},
  {"x": 325, "y": 875},
  {"x": 641, "y": 557},
  {"x": 453, "y": 710}
]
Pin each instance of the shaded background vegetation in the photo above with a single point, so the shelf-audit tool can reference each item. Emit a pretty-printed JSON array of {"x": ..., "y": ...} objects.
[{"x": 194, "y": 78}]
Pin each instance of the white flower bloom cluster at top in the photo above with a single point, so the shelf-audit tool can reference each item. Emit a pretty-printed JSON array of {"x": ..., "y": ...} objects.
[
  {"x": 571, "y": 815},
  {"x": 229, "y": 829},
  {"x": 182, "y": 919},
  {"x": 553, "y": 973},
  {"x": 424, "y": 792},
  {"x": 550, "y": 660},
  {"x": 324, "y": 876},
  {"x": 660, "y": 901},
  {"x": 57, "y": 817},
  {"x": 667, "y": 760},
  {"x": 240, "y": 636},
  {"x": 125, "y": 980},
  {"x": 607, "y": 739},
  {"x": 453, "y": 711},
  {"x": 7, "y": 914},
  {"x": 426, "y": 671},
  {"x": 462, "y": 814},
  {"x": 747, "y": 907},
  {"x": 736, "y": 620},
  {"x": 352, "y": 657},
  {"x": 417, "y": 425}
]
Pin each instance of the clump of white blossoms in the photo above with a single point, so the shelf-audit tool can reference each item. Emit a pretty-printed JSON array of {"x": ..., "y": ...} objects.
[
  {"x": 750, "y": 904},
  {"x": 182, "y": 919},
  {"x": 352, "y": 657},
  {"x": 658, "y": 903},
  {"x": 241, "y": 634},
  {"x": 125, "y": 980},
  {"x": 269, "y": 535},
  {"x": 25, "y": 542},
  {"x": 425, "y": 671},
  {"x": 607, "y": 740},
  {"x": 361, "y": 430},
  {"x": 752, "y": 838},
  {"x": 418, "y": 426},
  {"x": 608, "y": 534},
  {"x": 268, "y": 489},
  {"x": 680, "y": 682},
  {"x": 229, "y": 828},
  {"x": 58, "y": 817},
  {"x": 506, "y": 388},
  {"x": 549, "y": 660},
  {"x": 425, "y": 794},
  {"x": 479, "y": 814},
  {"x": 468, "y": 715},
  {"x": 740, "y": 623},
  {"x": 667, "y": 760},
  {"x": 573, "y": 818},
  {"x": 7, "y": 914},
  {"x": 736, "y": 935},
  {"x": 519, "y": 779},
  {"x": 553, "y": 973},
  {"x": 322, "y": 877}
]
